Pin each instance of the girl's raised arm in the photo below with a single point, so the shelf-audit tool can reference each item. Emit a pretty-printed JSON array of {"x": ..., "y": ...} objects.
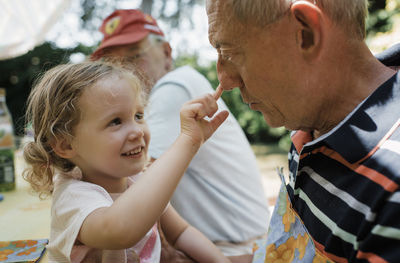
[{"x": 130, "y": 217}]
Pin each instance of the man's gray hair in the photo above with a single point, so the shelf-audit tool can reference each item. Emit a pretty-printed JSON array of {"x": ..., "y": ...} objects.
[{"x": 348, "y": 14}]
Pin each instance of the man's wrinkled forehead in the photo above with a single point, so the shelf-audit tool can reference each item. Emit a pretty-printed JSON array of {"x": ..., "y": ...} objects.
[
  {"x": 220, "y": 20},
  {"x": 217, "y": 9},
  {"x": 212, "y": 5}
]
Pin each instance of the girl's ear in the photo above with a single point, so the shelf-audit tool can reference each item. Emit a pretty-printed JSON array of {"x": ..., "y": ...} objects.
[{"x": 63, "y": 148}]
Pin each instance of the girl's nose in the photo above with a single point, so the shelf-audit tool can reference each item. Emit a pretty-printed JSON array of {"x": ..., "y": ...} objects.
[{"x": 135, "y": 133}]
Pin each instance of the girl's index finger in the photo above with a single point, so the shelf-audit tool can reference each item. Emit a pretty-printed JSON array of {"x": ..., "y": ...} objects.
[{"x": 218, "y": 92}]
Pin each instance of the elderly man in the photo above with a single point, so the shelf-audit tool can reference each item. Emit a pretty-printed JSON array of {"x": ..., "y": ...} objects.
[
  {"x": 221, "y": 192},
  {"x": 305, "y": 66}
]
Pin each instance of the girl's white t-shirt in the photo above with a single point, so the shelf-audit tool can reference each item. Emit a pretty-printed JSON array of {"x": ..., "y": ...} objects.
[{"x": 73, "y": 200}]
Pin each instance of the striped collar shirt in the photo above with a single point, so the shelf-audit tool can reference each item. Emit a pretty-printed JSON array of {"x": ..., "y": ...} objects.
[{"x": 345, "y": 185}]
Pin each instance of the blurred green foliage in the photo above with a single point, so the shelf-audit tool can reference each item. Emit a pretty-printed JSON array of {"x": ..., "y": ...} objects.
[
  {"x": 380, "y": 15},
  {"x": 19, "y": 73}
]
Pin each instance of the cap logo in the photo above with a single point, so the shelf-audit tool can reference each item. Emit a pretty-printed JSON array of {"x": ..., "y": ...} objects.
[
  {"x": 148, "y": 18},
  {"x": 112, "y": 25}
]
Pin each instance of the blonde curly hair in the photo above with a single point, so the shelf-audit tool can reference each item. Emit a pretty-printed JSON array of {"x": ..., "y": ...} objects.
[{"x": 53, "y": 112}]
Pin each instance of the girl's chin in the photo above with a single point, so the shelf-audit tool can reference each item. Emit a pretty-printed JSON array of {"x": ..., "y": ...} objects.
[{"x": 138, "y": 169}]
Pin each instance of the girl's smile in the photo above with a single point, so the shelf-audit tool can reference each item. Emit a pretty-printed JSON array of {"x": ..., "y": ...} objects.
[
  {"x": 135, "y": 153},
  {"x": 111, "y": 138}
]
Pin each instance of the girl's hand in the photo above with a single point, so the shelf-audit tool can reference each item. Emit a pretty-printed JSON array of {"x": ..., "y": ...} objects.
[{"x": 193, "y": 113}]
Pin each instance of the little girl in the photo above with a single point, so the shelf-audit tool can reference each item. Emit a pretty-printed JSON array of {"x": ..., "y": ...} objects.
[{"x": 90, "y": 146}]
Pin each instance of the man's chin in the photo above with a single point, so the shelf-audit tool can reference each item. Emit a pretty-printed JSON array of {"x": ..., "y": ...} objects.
[{"x": 273, "y": 123}]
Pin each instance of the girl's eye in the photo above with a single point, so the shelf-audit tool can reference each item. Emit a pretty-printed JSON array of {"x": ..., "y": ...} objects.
[
  {"x": 116, "y": 121},
  {"x": 139, "y": 116}
]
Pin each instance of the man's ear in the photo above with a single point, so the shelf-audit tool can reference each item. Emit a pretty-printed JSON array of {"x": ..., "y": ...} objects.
[
  {"x": 168, "y": 55},
  {"x": 308, "y": 31},
  {"x": 63, "y": 148}
]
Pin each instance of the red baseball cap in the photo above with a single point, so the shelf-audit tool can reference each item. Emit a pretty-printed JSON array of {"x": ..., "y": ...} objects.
[{"x": 125, "y": 26}]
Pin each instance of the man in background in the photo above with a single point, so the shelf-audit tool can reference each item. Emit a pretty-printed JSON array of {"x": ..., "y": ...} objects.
[{"x": 221, "y": 193}]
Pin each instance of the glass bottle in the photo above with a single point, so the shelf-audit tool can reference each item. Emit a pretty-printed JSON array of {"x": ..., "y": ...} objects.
[{"x": 7, "y": 146}]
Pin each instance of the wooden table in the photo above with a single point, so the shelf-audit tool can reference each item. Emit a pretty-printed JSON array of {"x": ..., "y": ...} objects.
[{"x": 22, "y": 214}]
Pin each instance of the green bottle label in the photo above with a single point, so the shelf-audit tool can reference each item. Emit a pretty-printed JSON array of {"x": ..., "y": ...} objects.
[{"x": 7, "y": 178}]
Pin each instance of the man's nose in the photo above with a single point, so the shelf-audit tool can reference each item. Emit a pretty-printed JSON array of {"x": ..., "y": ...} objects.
[{"x": 228, "y": 76}]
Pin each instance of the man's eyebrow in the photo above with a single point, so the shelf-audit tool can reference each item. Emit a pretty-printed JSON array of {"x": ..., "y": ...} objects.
[
  {"x": 217, "y": 40},
  {"x": 220, "y": 44}
]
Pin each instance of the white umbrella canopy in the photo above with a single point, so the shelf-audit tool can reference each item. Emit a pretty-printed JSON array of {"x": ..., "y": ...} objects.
[{"x": 24, "y": 24}]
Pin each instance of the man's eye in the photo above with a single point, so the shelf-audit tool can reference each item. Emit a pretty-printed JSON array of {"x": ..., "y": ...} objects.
[
  {"x": 139, "y": 116},
  {"x": 136, "y": 56},
  {"x": 225, "y": 55},
  {"x": 114, "y": 122}
]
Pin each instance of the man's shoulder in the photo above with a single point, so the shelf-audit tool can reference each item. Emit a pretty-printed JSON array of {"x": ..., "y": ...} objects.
[
  {"x": 185, "y": 76},
  {"x": 391, "y": 56},
  {"x": 184, "y": 79},
  {"x": 186, "y": 69}
]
